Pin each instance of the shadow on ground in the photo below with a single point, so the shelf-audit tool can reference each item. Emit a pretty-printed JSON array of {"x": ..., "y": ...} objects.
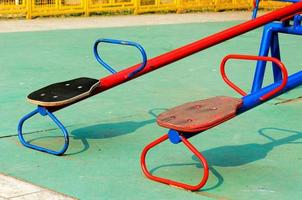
[
  {"x": 237, "y": 155},
  {"x": 109, "y": 130},
  {"x": 98, "y": 131}
]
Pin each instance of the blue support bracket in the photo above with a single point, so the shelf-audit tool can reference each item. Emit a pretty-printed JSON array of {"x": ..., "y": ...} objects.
[
  {"x": 174, "y": 136},
  {"x": 43, "y": 111},
  {"x": 119, "y": 42},
  {"x": 270, "y": 44},
  {"x": 297, "y": 22}
]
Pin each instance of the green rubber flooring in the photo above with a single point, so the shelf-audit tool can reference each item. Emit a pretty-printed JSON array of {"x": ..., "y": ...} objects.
[{"x": 257, "y": 155}]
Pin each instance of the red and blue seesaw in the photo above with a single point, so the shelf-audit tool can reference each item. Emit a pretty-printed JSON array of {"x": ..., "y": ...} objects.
[{"x": 189, "y": 119}]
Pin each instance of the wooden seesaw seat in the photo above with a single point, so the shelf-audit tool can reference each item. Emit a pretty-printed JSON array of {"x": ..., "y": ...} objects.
[
  {"x": 63, "y": 93},
  {"x": 199, "y": 115}
]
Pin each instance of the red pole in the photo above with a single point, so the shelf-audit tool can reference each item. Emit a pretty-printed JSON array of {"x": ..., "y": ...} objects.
[{"x": 187, "y": 50}]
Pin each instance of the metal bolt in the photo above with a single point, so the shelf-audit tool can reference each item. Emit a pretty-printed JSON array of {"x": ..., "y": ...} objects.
[{"x": 197, "y": 106}]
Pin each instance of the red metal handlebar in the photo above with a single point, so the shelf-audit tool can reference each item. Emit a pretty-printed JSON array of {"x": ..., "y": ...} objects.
[
  {"x": 249, "y": 57},
  {"x": 171, "y": 182}
]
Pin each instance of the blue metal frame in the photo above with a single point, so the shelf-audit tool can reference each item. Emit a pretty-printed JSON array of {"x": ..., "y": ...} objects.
[
  {"x": 270, "y": 42},
  {"x": 43, "y": 111},
  {"x": 119, "y": 42}
]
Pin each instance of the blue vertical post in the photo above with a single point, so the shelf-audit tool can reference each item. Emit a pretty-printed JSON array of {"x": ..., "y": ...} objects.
[
  {"x": 275, "y": 52},
  {"x": 261, "y": 65}
]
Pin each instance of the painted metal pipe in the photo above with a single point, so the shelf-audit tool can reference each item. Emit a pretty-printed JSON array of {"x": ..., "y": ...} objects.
[
  {"x": 253, "y": 100},
  {"x": 187, "y": 50},
  {"x": 270, "y": 33}
]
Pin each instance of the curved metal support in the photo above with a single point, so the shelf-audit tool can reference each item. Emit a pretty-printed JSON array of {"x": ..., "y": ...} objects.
[
  {"x": 43, "y": 111},
  {"x": 262, "y": 58},
  {"x": 120, "y": 42},
  {"x": 171, "y": 182}
]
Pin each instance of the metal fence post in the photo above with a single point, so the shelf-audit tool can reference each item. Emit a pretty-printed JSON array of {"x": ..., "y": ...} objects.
[
  {"x": 86, "y": 7},
  {"x": 216, "y": 5},
  {"x": 178, "y": 6},
  {"x": 136, "y": 7},
  {"x": 29, "y": 9}
]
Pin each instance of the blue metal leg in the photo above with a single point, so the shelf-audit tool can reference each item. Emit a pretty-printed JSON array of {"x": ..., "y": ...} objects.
[
  {"x": 270, "y": 41},
  {"x": 275, "y": 52},
  {"x": 261, "y": 65},
  {"x": 43, "y": 111}
]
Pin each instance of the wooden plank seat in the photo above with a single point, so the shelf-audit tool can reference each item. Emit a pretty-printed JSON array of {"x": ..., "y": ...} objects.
[
  {"x": 197, "y": 116},
  {"x": 63, "y": 93}
]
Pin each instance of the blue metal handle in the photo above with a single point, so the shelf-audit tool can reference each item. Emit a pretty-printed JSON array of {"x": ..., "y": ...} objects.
[
  {"x": 43, "y": 111},
  {"x": 120, "y": 42}
]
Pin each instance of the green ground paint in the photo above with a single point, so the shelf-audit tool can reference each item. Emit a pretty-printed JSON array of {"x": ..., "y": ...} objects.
[{"x": 109, "y": 131}]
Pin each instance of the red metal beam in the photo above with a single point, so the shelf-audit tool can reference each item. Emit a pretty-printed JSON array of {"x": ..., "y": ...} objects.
[{"x": 187, "y": 50}]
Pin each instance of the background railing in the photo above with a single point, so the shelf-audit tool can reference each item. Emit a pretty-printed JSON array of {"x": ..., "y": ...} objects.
[{"x": 33, "y": 8}]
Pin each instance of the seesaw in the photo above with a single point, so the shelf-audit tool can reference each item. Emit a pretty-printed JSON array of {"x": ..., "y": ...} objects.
[{"x": 189, "y": 119}]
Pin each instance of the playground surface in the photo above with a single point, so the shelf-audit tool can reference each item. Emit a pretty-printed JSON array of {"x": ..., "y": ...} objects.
[
  {"x": 41, "y": 24},
  {"x": 254, "y": 156},
  {"x": 12, "y": 188}
]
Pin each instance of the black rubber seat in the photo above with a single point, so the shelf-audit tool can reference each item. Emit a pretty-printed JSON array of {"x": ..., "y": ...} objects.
[{"x": 62, "y": 93}]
